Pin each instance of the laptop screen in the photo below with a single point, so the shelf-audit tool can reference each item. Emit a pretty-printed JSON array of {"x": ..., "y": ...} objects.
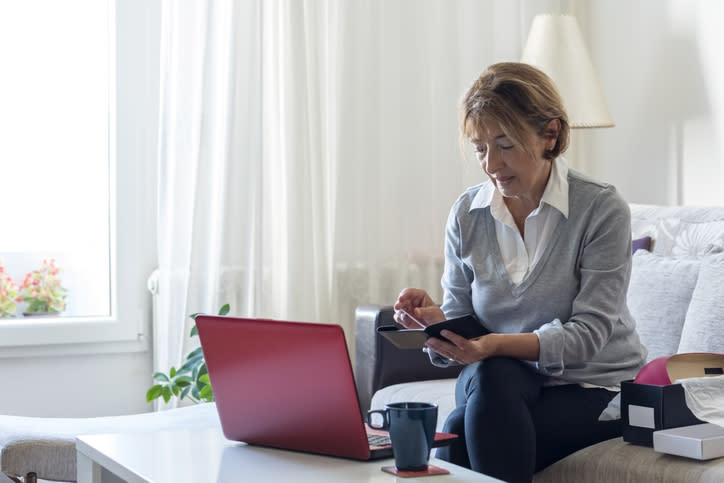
[{"x": 284, "y": 384}]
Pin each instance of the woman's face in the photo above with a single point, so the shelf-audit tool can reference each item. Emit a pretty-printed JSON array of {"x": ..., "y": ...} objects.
[{"x": 510, "y": 167}]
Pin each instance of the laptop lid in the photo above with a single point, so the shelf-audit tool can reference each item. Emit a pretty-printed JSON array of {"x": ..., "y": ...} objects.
[{"x": 284, "y": 384}]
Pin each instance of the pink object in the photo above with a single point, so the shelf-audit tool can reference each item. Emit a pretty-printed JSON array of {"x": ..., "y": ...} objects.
[
  {"x": 654, "y": 373},
  {"x": 663, "y": 371}
]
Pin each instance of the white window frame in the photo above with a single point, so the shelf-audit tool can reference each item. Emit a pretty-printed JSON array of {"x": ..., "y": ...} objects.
[{"x": 133, "y": 124}]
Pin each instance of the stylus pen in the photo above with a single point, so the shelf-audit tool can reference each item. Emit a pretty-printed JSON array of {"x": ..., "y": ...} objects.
[{"x": 411, "y": 317}]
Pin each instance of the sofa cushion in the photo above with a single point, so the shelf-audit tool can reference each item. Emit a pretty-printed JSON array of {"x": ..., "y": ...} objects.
[
  {"x": 439, "y": 391},
  {"x": 702, "y": 330},
  {"x": 658, "y": 298},
  {"x": 616, "y": 461},
  {"x": 680, "y": 231}
]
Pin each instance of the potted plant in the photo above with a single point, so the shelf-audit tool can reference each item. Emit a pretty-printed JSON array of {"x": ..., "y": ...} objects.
[
  {"x": 42, "y": 290},
  {"x": 190, "y": 380},
  {"x": 8, "y": 293}
]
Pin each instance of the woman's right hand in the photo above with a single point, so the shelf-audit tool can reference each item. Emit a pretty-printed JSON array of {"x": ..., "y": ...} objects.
[{"x": 417, "y": 303}]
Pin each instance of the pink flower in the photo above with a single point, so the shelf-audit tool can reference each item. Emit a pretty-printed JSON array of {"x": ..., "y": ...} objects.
[{"x": 42, "y": 289}]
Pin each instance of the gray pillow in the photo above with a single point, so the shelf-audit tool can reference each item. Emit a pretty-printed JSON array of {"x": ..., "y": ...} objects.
[
  {"x": 658, "y": 298},
  {"x": 704, "y": 325}
]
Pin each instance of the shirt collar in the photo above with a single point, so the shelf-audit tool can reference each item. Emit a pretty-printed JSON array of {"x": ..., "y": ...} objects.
[{"x": 555, "y": 193}]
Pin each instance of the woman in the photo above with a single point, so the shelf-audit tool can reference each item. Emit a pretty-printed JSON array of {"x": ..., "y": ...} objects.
[{"x": 542, "y": 255}]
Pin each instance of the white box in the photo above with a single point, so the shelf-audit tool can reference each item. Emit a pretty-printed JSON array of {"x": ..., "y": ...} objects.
[{"x": 700, "y": 441}]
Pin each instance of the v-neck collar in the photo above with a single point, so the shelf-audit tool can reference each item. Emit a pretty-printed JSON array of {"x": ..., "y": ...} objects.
[{"x": 518, "y": 289}]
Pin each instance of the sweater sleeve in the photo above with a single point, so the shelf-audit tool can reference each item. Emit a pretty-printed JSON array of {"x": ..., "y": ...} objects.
[
  {"x": 456, "y": 279},
  {"x": 604, "y": 269},
  {"x": 457, "y": 276}
]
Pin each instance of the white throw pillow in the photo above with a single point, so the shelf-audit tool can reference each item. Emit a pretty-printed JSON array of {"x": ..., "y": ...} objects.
[
  {"x": 704, "y": 325},
  {"x": 658, "y": 298}
]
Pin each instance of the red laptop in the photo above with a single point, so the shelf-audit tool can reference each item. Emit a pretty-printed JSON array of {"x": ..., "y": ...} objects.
[{"x": 287, "y": 385}]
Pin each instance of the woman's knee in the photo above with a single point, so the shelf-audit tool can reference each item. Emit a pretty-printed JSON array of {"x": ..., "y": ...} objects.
[
  {"x": 499, "y": 374},
  {"x": 456, "y": 452},
  {"x": 455, "y": 422}
]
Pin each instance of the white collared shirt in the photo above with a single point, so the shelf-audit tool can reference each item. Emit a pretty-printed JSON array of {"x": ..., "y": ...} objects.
[{"x": 521, "y": 253}]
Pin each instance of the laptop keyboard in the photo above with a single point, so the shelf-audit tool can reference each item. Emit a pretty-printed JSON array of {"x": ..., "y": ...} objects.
[{"x": 378, "y": 440}]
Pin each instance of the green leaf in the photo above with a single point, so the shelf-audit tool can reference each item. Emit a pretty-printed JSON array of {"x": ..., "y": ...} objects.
[
  {"x": 184, "y": 381},
  {"x": 166, "y": 393},
  {"x": 154, "y": 392},
  {"x": 195, "y": 362},
  {"x": 191, "y": 379},
  {"x": 207, "y": 394},
  {"x": 160, "y": 376},
  {"x": 198, "y": 352},
  {"x": 186, "y": 369}
]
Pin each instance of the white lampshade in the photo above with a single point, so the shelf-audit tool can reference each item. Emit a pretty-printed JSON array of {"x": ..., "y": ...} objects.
[{"x": 555, "y": 45}]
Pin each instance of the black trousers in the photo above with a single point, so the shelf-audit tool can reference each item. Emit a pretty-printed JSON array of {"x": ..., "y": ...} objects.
[{"x": 511, "y": 426}]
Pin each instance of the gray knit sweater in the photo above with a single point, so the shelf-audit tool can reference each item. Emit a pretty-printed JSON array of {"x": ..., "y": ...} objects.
[{"x": 574, "y": 298}]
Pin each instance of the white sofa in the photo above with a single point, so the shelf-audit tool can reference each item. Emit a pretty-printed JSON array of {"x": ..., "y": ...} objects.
[{"x": 676, "y": 295}]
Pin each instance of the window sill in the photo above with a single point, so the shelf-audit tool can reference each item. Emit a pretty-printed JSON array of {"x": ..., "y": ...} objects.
[
  {"x": 56, "y": 350},
  {"x": 57, "y": 336}
]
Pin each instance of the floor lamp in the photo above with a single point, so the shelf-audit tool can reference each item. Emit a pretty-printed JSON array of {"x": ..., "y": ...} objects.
[{"x": 555, "y": 45}]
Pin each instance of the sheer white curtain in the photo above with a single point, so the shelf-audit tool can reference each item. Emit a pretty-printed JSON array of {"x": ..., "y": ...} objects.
[
  {"x": 209, "y": 131},
  {"x": 309, "y": 151}
]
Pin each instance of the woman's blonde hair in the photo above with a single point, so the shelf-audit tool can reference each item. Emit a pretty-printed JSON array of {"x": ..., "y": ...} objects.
[{"x": 521, "y": 99}]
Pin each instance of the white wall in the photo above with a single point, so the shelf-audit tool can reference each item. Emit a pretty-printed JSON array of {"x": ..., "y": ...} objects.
[
  {"x": 75, "y": 386},
  {"x": 661, "y": 69}
]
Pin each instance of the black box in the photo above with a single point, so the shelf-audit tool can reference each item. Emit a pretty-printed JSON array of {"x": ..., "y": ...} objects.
[{"x": 647, "y": 408}]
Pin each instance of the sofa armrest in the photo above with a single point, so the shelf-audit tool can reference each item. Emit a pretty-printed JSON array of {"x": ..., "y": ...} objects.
[{"x": 378, "y": 363}]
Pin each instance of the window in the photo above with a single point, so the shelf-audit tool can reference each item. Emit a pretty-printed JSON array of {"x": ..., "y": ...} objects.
[{"x": 77, "y": 155}]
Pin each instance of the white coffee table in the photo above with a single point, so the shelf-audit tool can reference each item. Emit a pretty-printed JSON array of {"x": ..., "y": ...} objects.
[{"x": 194, "y": 456}]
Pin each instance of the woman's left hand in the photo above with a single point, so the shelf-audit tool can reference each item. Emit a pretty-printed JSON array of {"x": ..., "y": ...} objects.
[
  {"x": 461, "y": 350},
  {"x": 524, "y": 346}
]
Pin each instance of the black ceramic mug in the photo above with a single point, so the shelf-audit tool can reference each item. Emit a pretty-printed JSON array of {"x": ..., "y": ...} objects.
[{"x": 412, "y": 430}]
